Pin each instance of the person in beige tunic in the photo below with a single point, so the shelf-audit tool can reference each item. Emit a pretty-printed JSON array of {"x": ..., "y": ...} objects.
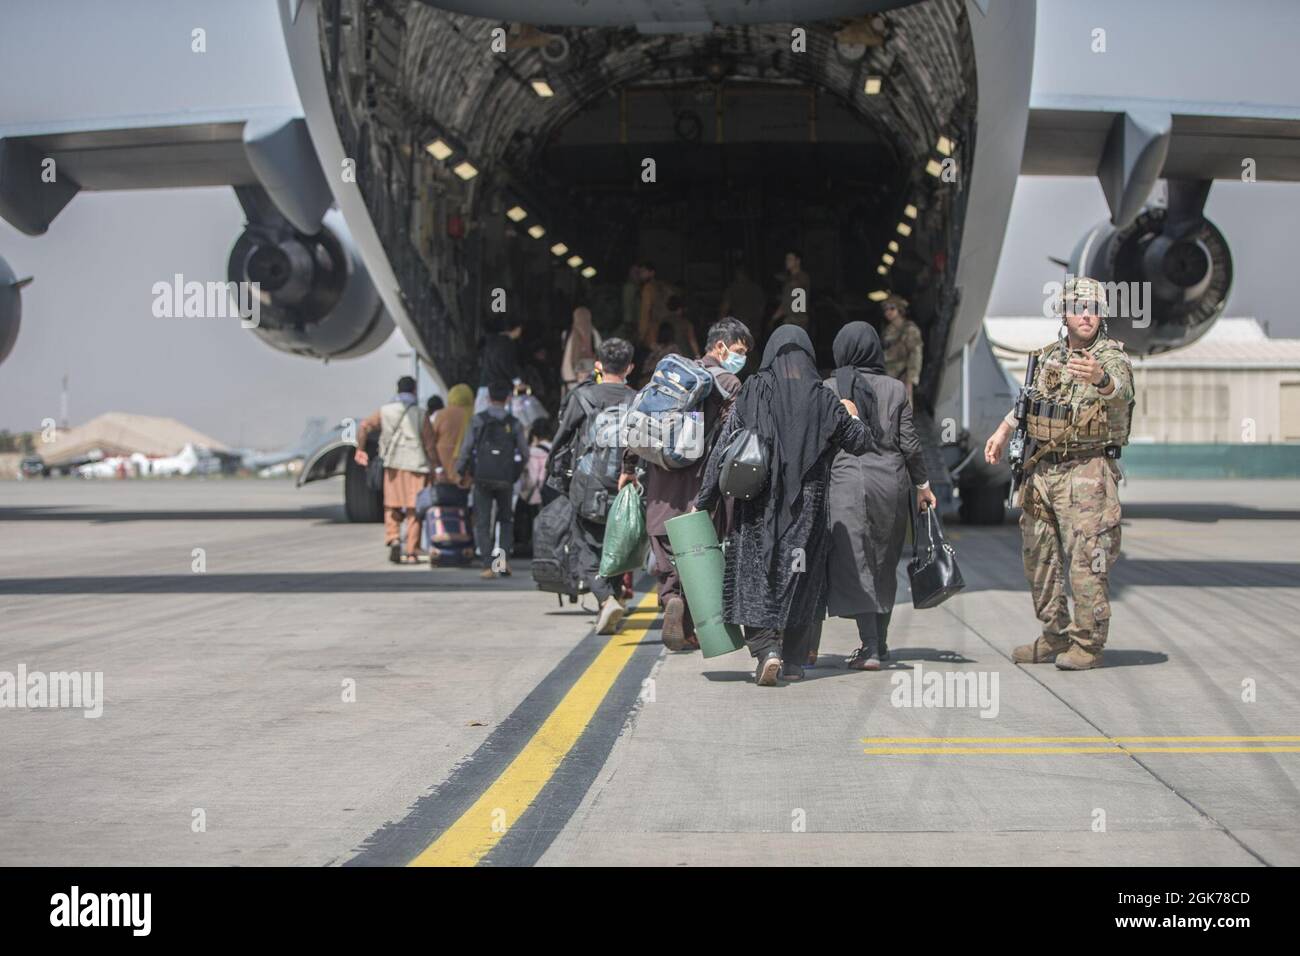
[{"x": 406, "y": 446}]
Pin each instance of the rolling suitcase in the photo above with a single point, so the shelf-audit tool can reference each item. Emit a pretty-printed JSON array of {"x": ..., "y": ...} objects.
[{"x": 450, "y": 538}]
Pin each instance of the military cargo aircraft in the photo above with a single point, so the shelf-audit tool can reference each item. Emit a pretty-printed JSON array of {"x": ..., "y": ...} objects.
[{"x": 447, "y": 151}]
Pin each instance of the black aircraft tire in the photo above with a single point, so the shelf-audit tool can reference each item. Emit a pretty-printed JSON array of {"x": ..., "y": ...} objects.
[
  {"x": 984, "y": 505},
  {"x": 362, "y": 504}
]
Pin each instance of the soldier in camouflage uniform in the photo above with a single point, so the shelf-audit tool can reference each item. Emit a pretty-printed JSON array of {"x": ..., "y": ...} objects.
[
  {"x": 1082, "y": 398},
  {"x": 902, "y": 343}
]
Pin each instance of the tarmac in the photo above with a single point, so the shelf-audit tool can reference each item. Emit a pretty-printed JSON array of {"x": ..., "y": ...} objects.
[{"x": 275, "y": 692}]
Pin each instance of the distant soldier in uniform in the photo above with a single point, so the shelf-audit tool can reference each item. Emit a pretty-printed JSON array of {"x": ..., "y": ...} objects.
[
  {"x": 902, "y": 341},
  {"x": 1081, "y": 400}
]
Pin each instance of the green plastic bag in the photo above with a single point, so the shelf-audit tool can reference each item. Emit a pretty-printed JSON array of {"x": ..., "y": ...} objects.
[{"x": 625, "y": 538}]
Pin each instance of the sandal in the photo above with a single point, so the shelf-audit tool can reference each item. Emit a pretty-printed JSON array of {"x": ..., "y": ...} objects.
[{"x": 863, "y": 660}]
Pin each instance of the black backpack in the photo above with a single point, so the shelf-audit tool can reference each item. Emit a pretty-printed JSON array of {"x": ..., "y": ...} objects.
[
  {"x": 496, "y": 451},
  {"x": 598, "y": 458},
  {"x": 555, "y": 554}
]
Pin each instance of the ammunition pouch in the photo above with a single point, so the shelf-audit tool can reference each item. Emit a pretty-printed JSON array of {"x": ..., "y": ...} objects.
[
  {"x": 1057, "y": 423},
  {"x": 1047, "y": 421}
]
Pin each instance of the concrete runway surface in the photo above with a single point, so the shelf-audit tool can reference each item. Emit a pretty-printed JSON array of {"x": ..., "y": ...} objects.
[{"x": 490, "y": 726}]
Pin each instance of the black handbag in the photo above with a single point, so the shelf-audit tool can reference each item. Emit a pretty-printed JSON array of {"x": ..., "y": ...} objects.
[
  {"x": 933, "y": 574},
  {"x": 744, "y": 466}
]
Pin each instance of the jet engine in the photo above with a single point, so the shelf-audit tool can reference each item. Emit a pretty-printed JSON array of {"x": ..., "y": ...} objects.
[
  {"x": 11, "y": 308},
  {"x": 315, "y": 297},
  {"x": 1167, "y": 274}
]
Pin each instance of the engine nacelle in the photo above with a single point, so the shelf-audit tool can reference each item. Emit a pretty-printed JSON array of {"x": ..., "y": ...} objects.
[
  {"x": 316, "y": 297},
  {"x": 11, "y": 309},
  {"x": 1167, "y": 281}
]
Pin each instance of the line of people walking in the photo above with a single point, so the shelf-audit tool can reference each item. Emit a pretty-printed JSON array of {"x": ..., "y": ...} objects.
[
  {"x": 828, "y": 534},
  {"x": 436, "y": 469},
  {"x": 844, "y": 464}
]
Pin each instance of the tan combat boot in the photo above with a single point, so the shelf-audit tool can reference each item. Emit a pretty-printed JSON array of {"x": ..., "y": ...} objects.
[
  {"x": 1042, "y": 651},
  {"x": 1079, "y": 658}
]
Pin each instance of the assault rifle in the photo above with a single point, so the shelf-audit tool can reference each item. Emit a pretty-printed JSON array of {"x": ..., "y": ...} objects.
[{"x": 1020, "y": 447}]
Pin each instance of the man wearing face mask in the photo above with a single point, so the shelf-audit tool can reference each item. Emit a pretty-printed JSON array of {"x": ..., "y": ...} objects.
[{"x": 669, "y": 493}]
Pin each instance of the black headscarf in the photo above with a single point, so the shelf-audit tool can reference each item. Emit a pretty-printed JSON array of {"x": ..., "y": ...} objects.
[
  {"x": 857, "y": 349},
  {"x": 793, "y": 413}
]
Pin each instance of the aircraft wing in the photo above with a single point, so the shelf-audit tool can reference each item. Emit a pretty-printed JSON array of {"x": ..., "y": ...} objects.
[
  {"x": 1129, "y": 143},
  {"x": 42, "y": 167}
]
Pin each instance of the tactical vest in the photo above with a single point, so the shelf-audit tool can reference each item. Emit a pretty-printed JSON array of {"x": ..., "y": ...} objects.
[
  {"x": 399, "y": 438},
  {"x": 1057, "y": 402}
]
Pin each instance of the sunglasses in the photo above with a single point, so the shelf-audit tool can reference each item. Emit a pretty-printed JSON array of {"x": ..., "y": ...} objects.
[{"x": 1082, "y": 307}]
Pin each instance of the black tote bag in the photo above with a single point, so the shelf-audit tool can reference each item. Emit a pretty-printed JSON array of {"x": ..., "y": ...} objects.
[
  {"x": 933, "y": 572},
  {"x": 744, "y": 466}
]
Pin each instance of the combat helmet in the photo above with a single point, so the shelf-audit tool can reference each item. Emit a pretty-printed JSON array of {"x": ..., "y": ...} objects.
[{"x": 1080, "y": 289}]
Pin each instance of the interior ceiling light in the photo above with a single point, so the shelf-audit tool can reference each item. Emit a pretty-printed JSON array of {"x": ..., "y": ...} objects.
[
  {"x": 559, "y": 249},
  {"x": 873, "y": 84},
  {"x": 516, "y": 213},
  {"x": 880, "y": 295},
  {"x": 439, "y": 149},
  {"x": 887, "y": 259},
  {"x": 893, "y": 246},
  {"x": 465, "y": 170},
  {"x": 934, "y": 168},
  {"x": 881, "y": 270},
  {"x": 589, "y": 273},
  {"x": 543, "y": 89},
  {"x": 536, "y": 231},
  {"x": 904, "y": 229},
  {"x": 944, "y": 146},
  {"x": 575, "y": 261},
  {"x": 909, "y": 211}
]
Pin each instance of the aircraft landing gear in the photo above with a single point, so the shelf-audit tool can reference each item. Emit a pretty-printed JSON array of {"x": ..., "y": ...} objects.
[{"x": 361, "y": 503}]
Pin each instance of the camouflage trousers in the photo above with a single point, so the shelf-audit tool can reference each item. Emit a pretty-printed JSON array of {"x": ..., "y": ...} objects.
[{"x": 1070, "y": 528}]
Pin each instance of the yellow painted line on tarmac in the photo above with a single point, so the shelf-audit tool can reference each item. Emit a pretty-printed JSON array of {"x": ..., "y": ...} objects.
[
  {"x": 483, "y": 825},
  {"x": 1212, "y": 750}
]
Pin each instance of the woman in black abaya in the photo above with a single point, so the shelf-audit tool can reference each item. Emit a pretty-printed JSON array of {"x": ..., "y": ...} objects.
[
  {"x": 774, "y": 584},
  {"x": 870, "y": 494}
]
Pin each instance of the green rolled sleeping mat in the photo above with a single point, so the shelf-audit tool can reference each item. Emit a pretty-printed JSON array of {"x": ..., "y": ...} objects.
[{"x": 698, "y": 557}]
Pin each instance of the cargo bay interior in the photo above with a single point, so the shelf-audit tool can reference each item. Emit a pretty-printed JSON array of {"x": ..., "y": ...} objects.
[{"x": 501, "y": 156}]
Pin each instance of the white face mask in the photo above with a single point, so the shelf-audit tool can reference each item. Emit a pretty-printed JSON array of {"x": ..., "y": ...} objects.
[{"x": 733, "y": 362}]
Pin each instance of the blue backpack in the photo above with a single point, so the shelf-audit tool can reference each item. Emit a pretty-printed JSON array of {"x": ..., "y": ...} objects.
[{"x": 665, "y": 422}]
